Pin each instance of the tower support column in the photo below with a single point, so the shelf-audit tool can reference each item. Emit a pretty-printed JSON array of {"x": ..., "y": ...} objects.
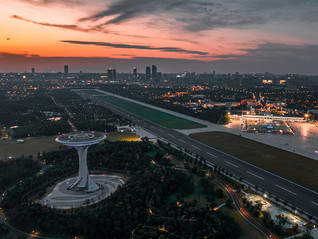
[{"x": 83, "y": 181}]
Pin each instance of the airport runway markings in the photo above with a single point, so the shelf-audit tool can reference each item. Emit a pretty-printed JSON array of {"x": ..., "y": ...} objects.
[
  {"x": 286, "y": 189},
  {"x": 231, "y": 164},
  {"x": 195, "y": 147},
  {"x": 255, "y": 175},
  {"x": 212, "y": 155},
  {"x": 315, "y": 203}
]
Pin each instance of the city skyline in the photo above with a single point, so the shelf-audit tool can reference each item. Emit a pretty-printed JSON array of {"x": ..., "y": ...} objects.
[{"x": 245, "y": 36}]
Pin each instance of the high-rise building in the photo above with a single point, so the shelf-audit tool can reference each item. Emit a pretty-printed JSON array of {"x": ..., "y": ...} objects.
[
  {"x": 148, "y": 73},
  {"x": 33, "y": 70},
  {"x": 66, "y": 69},
  {"x": 114, "y": 75},
  {"x": 110, "y": 73},
  {"x": 154, "y": 72},
  {"x": 135, "y": 72}
]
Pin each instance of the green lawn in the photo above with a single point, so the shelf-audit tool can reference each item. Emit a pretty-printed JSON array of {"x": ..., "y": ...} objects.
[
  {"x": 247, "y": 230},
  {"x": 31, "y": 146},
  {"x": 162, "y": 118},
  {"x": 295, "y": 167}
]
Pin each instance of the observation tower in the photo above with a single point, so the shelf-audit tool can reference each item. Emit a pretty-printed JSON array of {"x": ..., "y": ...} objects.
[{"x": 81, "y": 141}]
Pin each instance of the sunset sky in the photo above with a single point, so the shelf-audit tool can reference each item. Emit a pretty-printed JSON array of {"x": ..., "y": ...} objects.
[{"x": 279, "y": 36}]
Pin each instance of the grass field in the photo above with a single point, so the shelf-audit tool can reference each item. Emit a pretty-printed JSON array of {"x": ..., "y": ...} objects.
[
  {"x": 39, "y": 144},
  {"x": 295, "y": 167},
  {"x": 117, "y": 136},
  {"x": 162, "y": 118},
  {"x": 198, "y": 193},
  {"x": 31, "y": 146},
  {"x": 247, "y": 230}
]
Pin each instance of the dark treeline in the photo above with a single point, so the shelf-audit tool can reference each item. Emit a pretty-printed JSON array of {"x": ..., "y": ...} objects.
[
  {"x": 88, "y": 116},
  {"x": 14, "y": 170}
]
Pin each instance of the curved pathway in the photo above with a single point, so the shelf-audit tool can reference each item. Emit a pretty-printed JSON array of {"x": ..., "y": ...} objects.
[{"x": 243, "y": 212}]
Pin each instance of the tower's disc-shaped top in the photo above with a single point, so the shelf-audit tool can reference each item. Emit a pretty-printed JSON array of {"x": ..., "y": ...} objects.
[{"x": 81, "y": 138}]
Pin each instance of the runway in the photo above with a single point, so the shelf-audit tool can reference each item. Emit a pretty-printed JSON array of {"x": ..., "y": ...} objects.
[{"x": 297, "y": 195}]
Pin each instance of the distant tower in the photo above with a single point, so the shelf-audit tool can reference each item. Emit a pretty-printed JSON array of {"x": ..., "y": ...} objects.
[
  {"x": 110, "y": 73},
  {"x": 33, "y": 70},
  {"x": 114, "y": 74},
  {"x": 148, "y": 73},
  {"x": 135, "y": 72},
  {"x": 154, "y": 72},
  {"x": 66, "y": 69},
  {"x": 81, "y": 141}
]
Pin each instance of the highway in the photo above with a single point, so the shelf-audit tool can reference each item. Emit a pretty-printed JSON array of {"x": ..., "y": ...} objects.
[{"x": 297, "y": 195}]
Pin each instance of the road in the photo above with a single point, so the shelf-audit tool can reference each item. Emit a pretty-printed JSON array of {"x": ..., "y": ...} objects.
[
  {"x": 297, "y": 195},
  {"x": 239, "y": 207}
]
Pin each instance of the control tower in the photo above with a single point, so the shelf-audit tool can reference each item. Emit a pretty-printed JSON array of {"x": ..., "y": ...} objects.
[{"x": 81, "y": 141}]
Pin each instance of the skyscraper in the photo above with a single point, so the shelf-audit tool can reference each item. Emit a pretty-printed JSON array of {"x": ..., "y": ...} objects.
[
  {"x": 33, "y": 70},
  {"x": 110, "y": 73},
  {"x": 114, "y": 74},
  {"x": 148, "y": 73},
  {"x": 154, "y": 72},
  {"x": 135, "y": 72},
  {"x": 66, "y": 69}
]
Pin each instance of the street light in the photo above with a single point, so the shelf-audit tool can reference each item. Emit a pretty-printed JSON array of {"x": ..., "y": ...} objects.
[{"x": 306, "y": 116}]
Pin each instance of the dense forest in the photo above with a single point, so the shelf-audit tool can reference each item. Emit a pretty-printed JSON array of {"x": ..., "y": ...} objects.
[
  {"x": 26, "y": 111},
  {"x": 43, "y": 113},
  {"x": 88, "y": 116},
  {"x": 16, "y": 170},
  {"x": 141, "y": 208}
]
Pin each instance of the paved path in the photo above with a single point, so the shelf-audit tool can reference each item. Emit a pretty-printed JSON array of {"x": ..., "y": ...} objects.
[
  {"x": 242, "y": 211},
  {"x": 63, "y": 198}
]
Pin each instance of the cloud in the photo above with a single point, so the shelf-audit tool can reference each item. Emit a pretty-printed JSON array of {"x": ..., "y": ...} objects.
[
  {"x": 97, "y": 28},
  {"x": 229, "y": 56},
  {"x": 49, "y": 2},
  {"x": 269, "y": 57},
  {"x": 306, "y": 52},
  {"x": 189, "y": 15},
  {"x": 12, "y": 55},
  {"x": 273, "y": 57},
  {"x": 140, "y": 47},
  {"x": 64, "y": 26},
  {"x": 198, "y": 15}
]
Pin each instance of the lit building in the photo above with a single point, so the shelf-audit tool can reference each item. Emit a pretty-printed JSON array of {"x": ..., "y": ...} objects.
[
  {"x": 110, "y": 73},
  {"x": 135, "y": 72}
]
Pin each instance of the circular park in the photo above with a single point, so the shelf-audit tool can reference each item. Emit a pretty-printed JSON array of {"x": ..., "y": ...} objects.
[
  {"x": 62, "y": 197},
  {"x": 84, "y": 189}
]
